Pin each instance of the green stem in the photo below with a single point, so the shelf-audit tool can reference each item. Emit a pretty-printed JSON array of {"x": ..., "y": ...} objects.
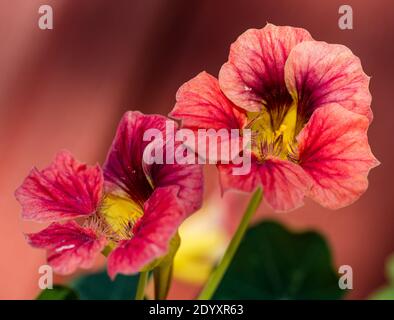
[
  {"x": 143, "y": 279},
  {"x": 218, "y": 273},
  {"x": 162, "y": 276}
]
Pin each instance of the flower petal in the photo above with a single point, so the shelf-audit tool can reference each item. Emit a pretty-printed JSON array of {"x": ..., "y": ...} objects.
[
  {"x": 188, "y": 179},
  {"x": 125, "y": 167},
  {"x": 152, "y": 234},
  {"x": 66, "y": 189},
  {"x": 284, "y": 184},
  {"x": 318, "y": 73},
  {"x": 247, "y": 182},
  {"x": 69, "y": 246},
  {"x": 204, "y": 109},
  {"x": 254, "y": 73},
  {"x": 334, "y": 151},
  {"x": 200, "y": 104}
]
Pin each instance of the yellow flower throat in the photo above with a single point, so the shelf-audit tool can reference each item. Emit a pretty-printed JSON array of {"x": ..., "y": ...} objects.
[
  {"x": 119, "y": 215},
  {"x": 273, "y": 134}
]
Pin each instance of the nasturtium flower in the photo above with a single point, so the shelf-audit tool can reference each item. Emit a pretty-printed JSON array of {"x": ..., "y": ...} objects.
[
  {"x": 128, "y": 208},
  {"x": 307, "y": 104}
]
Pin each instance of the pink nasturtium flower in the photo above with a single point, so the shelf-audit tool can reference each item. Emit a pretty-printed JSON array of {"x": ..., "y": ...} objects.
[
  {"x": 307, "y": 104},
  {"x": 128, "y": 208}
]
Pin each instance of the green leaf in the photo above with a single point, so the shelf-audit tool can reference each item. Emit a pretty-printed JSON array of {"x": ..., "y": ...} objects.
[
  {"x": 59, "y": 292},
  {"x": 386, "y": 292},
  {"x": 274, "y": 263},
  {"x": 98, "y": 286}
]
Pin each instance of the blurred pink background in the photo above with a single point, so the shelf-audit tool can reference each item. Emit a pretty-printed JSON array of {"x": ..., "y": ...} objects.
[{"x": 68, "y": 87}]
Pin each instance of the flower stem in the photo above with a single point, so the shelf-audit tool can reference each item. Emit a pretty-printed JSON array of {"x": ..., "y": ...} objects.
[
  {"x": 143, "y": 279},
  {"x": 218, "y": 273},
  {"x": 162, "y": 276}
]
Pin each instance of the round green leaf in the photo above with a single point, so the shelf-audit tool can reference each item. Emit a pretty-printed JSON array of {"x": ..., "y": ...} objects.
[
  {"x": 98, "y": 286},
  {"x": 274, "y": 263},
  {"x": 59, "y": 292}
]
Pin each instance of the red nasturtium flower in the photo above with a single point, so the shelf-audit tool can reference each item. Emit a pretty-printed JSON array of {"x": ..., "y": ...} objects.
[
  {"x": 307, "y": 104},
  {"x": 130, "y": 207}
]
